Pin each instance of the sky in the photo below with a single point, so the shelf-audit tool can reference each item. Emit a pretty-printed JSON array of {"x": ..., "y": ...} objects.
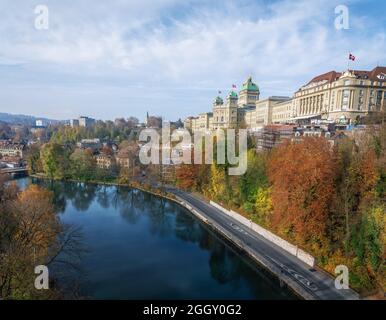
[{"x": 121, "y": 58}]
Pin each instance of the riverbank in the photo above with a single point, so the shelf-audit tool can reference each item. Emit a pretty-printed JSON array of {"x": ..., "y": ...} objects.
[
  {"x": 308, "y": 283},
  {"x": 142, "y": 246}
]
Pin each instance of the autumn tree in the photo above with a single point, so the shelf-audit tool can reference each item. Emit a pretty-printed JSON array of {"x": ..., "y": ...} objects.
[
  {"x": 217, "y": 182},
  {"x": 302, "y": 176},
  {"x": 186, "y": 175},
  {"x": 31, "y": 235}
]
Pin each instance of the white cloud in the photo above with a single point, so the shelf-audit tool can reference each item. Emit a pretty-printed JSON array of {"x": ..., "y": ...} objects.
[{"x": 160, "y": 44}]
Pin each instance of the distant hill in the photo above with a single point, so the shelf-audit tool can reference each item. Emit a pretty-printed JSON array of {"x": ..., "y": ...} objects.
[{"x": 23, "y": 119}]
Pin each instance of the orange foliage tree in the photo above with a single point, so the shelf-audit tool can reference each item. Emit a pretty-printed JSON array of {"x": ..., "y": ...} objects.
[
  {"x": 186, "y": 176},
  {"x": 302, "y": 176}
]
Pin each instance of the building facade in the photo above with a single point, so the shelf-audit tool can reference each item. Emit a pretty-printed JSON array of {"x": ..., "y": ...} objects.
[
  {"x": 12, "y": 150},
  {"x": 225, "y": 114},
  {"x": 334, "y": 97},
  {"x": 282, "y": 112},
  {"x": 104, "y": 161},
  {"x": 342, "y": 97}
]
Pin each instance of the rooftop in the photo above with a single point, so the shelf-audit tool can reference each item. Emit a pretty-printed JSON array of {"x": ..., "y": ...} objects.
[
  {"x": 360, "y": 74},
  {"x": 250, "y": 85}
]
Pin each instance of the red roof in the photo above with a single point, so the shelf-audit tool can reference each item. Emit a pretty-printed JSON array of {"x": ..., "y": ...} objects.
[{"x": 333, "y": 75}]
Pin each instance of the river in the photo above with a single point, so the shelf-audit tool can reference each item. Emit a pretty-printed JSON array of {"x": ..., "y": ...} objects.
[{"x": 141, "y": 246}]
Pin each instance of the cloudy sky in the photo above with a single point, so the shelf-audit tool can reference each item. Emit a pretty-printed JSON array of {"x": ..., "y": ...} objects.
[{"x": 118, "y": 58}]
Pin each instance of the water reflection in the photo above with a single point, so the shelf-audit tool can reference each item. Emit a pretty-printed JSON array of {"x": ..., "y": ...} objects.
[{"x": 143, "y": 246}]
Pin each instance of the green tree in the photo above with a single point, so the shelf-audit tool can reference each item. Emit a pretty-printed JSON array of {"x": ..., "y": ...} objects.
[
  {"x": 33, "y": 159},
  {"x": 55, "y": 160},
  {"x": 82, "y": 165},
  {"x": 253, "y": 179}
]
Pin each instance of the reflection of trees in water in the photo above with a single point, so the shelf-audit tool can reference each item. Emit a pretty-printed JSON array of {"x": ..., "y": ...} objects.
[
  {"x": 84, "y": 197},
  {"x": 129, "y": 204},
  {"x": 186, "y": 228},
  {"x": 161, "y": 221},
  {"x": 80, "y": 194},
  {"x": 103, "y": 195},
  {"x": 223, "y": 266},
  {"x": 226, "y": 266},
  {"x": 165, "y": 218}
]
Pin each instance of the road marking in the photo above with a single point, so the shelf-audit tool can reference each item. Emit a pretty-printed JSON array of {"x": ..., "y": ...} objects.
[
  {"x": 236, "y": 227},
  {"x": 302, "y": 279}
]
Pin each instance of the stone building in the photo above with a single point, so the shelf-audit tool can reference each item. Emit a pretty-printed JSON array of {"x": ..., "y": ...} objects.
[
  {"x": 104, "y": 161},
  {"x": 225, "y": 114},
  {"x": 335, "y": 97},
  {"x": 249, "y": 94},
  {"x": 86, "y": 121},
  {"x": 122, "y": 161},
  {"x": 341, "y": 97},
  {"x": 282, "y": 112},
  {"x": 12, "y": 150}
]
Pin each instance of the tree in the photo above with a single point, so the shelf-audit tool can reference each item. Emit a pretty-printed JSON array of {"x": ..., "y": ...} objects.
[
  {"x": 263, "y": 206},
  {"x": 302, "y": 176},
  {"x": 82, "y": 164},
  {"x": 31, "y": 235},
  {"x": 217, "y": 182},
  {"x": 55, "y": 160},
  {"x": 186, "y": 176},
  {"x": 33, "y": 159},
  {"x": 253, "y": 179}
]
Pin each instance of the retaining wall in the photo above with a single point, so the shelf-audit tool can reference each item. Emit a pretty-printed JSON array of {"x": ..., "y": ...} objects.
[{"x": 292, "y": 249}]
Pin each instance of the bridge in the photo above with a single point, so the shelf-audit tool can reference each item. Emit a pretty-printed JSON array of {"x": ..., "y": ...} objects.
[{"x": 13, "y": 170}]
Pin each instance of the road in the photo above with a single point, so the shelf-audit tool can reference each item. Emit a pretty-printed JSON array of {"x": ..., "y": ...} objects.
[{"x": 311, "y": 283}]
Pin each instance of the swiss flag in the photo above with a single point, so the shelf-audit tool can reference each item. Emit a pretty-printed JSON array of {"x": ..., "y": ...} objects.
[{"x": 351, "y": 57}]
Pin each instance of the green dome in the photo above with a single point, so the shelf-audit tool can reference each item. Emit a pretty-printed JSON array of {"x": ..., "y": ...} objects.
[
  {"x": 249, "y": 85},
  {"x": 232, "y": 95},
  {"x": 218, "y": 100}
]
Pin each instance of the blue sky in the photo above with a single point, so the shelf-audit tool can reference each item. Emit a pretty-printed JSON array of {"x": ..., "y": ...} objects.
[{"x": 117, "y": 58}]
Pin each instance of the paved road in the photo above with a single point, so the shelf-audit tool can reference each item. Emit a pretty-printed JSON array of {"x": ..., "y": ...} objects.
[{"x": 315, "y": 283}]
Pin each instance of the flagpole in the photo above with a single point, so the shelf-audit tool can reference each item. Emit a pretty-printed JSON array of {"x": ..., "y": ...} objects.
[{"x": 348, "y": 62}]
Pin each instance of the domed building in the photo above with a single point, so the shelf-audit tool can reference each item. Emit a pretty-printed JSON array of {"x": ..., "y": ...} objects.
[
  {"x": 249, "y": 94},
  {"x": 225, "y": 115}
]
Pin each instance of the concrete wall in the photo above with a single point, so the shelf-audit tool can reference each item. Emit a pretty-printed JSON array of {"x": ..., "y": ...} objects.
[{"x": 292, "y": 249}]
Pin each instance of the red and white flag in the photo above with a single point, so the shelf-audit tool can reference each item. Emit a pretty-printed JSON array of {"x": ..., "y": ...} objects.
[{"x": 351, "y": 57}]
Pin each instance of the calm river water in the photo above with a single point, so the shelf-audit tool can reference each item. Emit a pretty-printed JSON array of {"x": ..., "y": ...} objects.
[{"x": 144, "y": 247}]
